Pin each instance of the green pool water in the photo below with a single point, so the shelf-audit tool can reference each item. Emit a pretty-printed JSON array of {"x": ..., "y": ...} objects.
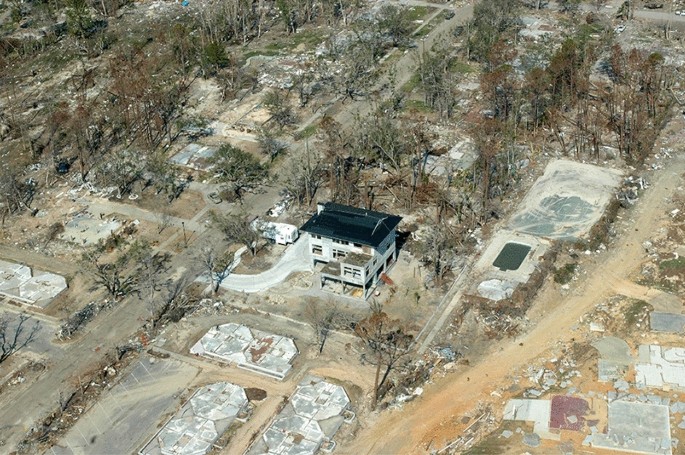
[{"x": 511, "y": 257}]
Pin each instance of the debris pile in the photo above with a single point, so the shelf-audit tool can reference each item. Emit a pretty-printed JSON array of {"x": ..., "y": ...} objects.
[
  {"x": 80, "y": 318},
  {"x": 627, "y": 195}
]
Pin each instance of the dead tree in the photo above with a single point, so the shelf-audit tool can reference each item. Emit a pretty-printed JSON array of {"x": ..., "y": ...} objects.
[
  {"x": 389, "y": 343},
  {"x": 14, "y": 335},
  {"x": 322, "y": 317},
  {"x": 110, "y": 275},
  {"x": 217, "y": 267},
  {"x": 175, "y": 303}
]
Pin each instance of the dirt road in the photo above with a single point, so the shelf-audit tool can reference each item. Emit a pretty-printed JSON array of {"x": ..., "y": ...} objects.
[{"x": 428, "y": 423}]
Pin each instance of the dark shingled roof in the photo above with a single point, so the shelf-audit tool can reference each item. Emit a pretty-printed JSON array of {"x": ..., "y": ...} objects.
[{"x": 352, "y": 224}]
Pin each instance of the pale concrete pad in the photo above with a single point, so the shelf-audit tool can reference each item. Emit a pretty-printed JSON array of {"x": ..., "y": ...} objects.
[
  {"x": 195, "y": 156},
  {"x": 615, "y": 358},
  {"x": 200, "y": 421},
  {"x": 253, "y": 350},
  {"x": 665, "y": 367},
  {"x": 125, "y": 416},
  {"x": 536, "y": 411},
  {"x": 636, "y": 427},
  {"x": 83, "y": 229},
  {"x": 19, "y": 282},
  {"x": 614, "y": 349},
  {"x": 308, "y": 422},
  {"x": 566, "y": 201},
  {"x": 497, "y": 284},
  {"x": 667, "y": 322},
  {"x": 667, "y": 303}
]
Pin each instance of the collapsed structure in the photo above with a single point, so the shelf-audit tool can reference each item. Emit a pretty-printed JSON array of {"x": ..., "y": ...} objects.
[
  {"x": 313, "y": 415},
  {"x": 194, "y": 429},
  {"x": 32, "y": 287},
  {"x": 562, "y": 205},
  {"x": 249, "y": 349}
]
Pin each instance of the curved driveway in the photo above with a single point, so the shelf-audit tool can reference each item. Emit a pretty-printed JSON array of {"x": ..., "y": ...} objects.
[{"x": 295, "y": 259}]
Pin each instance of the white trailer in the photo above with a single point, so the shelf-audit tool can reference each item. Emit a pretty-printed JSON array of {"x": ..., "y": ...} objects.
[{"x": 280, "y": 233}]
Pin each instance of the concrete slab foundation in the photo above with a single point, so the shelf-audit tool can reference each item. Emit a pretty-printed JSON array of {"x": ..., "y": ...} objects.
[
  {"x": 18, "y": 282},
  {"x": 308, "y": 422},
  {"x": 660, "y": 367},
  {"x": 636, "y": 427},
  {"x": 537, "y": 411},
  {"x": 200, "y": 421},
  {"x": 250, "y": 349},
  {"x": 84, "y": 229},
  {"x": 566, "y": 201},
  {"x": 497, "y": 284},
  {"x": 667, "y": 322},
  {"x": 195, "y": 156}
]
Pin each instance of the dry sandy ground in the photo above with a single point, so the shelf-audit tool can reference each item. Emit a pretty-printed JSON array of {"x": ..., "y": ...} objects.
[{"x": 433, "y": 420}]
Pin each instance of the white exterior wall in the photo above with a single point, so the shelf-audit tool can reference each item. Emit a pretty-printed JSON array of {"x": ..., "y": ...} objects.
[{"x": 379, "y": 260}]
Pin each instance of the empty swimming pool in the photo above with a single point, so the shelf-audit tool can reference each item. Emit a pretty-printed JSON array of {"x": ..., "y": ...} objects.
[{"x": 511, "y": 257}]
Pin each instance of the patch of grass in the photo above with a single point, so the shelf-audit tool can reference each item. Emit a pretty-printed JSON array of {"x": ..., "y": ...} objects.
[
  {"x": 310, "y": 38},
  {"x": 428, "y": 26},
  {"x": 461, "y": 67},
  {"x": 673, "y": 265},
  {"x": 411, "y": 84},
  {"x": 416, "y": 106},
  {"x": 264, "y": 52},
  {"x": 564, "y": 274},
  {"x": 417, "y": 12},
  {"x": 308, "y": 131},
  {"x": 634, "y": 310}
]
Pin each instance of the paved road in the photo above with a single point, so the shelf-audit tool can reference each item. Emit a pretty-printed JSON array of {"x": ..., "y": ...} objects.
[
  {"x": 131, "y": 211},
  {"x": 295, "y": 259},
  {"x": 115, "y": 326}
]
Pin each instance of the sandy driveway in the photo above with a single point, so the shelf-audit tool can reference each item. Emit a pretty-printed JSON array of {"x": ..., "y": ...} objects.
[{"x": 428, "y": 422}]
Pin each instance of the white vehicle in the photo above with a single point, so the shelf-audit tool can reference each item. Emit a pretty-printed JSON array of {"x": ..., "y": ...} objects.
[{"x": 280, "y": 233}]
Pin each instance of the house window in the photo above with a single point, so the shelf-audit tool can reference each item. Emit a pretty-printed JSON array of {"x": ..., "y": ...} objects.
[
  {"x": 339, "y": 254},
  {"x": 316, "y": 236},
  {"x": 358, "y": 245},
  {"x": 352, "y": 272},
  {"x": 317, "y": 249},
  {"x": 341, "y": 242}
]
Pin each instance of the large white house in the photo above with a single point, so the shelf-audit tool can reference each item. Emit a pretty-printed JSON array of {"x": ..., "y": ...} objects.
[{"x": 356, "y": 245}]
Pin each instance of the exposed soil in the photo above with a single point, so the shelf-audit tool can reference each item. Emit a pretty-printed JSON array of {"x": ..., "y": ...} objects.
[{"x": 433, "y": 420}]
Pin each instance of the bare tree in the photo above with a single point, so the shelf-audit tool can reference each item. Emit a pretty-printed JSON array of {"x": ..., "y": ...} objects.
[
  {"x": 149, "y": 269},
  {"x": 278, "y": 105},
  {"x": 217, "y": 267},
  {"x": 174, "y": 304},
  {"x": 389, "y": 343},
  {"x": 323, "y": 317},
  {"x": 112, "y": 275},
  {"x": 270, "y": 144},
  {"x": 124, "y": 275},
  {"x": 438, "y": 250},
  {"x": 15, "y": 195},
  {"x": 14, "y": 335},
  {"x": 304, "y": 173}
]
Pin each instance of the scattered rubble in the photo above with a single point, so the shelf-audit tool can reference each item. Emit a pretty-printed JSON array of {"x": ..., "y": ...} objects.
[
  {"x": 32, "y": 287},
  {"x": 249, "y": 349},
  {"x": 200, "y": 421},
  {"x": 309, "y": 421}
]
